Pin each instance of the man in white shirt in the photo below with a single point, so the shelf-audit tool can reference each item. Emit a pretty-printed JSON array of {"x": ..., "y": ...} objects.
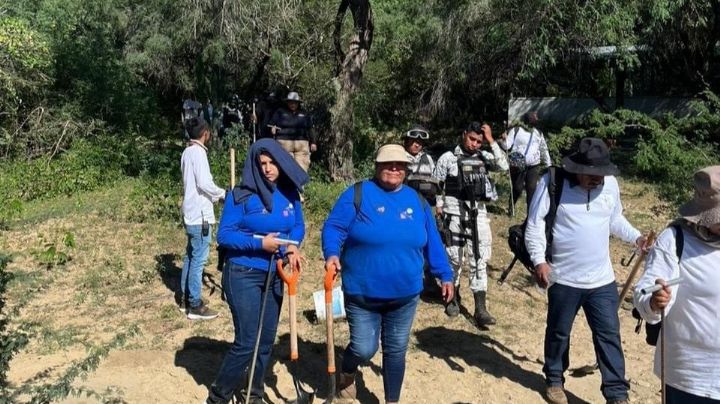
[
  {"x": 463, "y": 174},
  {"x": 527, "y": 152},
  {"x": 580, "y": 273},
  {"x": 691, "y": 326},
  {"x": 200, "y": 192}
]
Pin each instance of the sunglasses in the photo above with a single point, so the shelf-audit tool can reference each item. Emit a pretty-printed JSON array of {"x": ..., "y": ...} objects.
[{"x": 417, "y": 134}]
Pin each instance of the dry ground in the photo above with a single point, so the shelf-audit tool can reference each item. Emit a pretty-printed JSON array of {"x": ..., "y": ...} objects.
[{"x": 123, "y": 274}]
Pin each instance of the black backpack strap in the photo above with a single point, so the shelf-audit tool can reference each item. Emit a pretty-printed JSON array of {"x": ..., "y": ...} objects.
[
  {"x": 679, "y": 241},
  {"x": 357, "y": 195},
  {"x": 556, "y": 178}
]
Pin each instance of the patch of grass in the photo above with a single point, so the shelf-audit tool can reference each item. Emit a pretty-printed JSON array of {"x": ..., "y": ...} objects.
[{"x": 51, "y": 340}]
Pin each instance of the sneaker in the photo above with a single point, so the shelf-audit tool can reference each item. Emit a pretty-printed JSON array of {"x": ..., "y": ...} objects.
[
  {"x": 202, "y": 312},
  {"x": 556, "y": 395}
]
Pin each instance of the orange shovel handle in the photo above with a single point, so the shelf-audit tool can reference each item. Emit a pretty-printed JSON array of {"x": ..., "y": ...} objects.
[{"x": 290, "y": 279}]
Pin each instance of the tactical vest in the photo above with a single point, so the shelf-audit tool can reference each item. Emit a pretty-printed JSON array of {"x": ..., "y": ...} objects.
[{"x": 472, "y": 182}]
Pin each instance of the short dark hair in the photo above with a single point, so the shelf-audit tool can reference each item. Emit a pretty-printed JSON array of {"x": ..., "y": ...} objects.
[
  {"x": 195, "y": 127},
  {"x": 474, "y": 126}
]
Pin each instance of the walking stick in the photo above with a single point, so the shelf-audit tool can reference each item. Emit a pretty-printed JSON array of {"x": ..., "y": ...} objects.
[
  {"x": 663, "y": 387},
  {"x": 512, "y": 200},
  {"x": 268, "y": 281}
]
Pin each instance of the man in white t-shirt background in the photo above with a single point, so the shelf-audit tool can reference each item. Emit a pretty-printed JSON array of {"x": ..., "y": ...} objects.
[{"x": 527, "y": 153}]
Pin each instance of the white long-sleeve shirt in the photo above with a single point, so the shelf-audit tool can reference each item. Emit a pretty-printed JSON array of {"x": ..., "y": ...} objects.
[
  {"x": 692, "y": 318},
  {"x": 199, "y": 189},
  {"x": 530, "y": 143},
  {"x": 581, "y": 234}
]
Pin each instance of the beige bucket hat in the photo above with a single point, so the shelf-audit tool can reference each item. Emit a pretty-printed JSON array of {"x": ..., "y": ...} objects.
[
  {"x": 391, "y": 152},
  {"x": 704, "y": 208}
]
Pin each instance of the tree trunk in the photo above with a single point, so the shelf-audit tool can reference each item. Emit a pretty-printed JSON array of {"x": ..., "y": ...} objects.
[{"x": 347, "y": 80}]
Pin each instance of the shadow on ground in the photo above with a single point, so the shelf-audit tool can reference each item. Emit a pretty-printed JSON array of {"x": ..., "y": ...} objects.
[
  {"x": 202, "y": 357},
  {"x": 482, "y": 352}
]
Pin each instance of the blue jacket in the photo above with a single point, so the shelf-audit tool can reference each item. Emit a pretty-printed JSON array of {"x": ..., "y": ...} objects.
[
  {"x": 382, "y": 248},
  {"x": 259, "y": 206},
  {"x": 240, "y": 221}
]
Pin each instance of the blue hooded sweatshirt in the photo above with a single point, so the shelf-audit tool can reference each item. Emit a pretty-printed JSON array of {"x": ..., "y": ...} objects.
[{"x": 259, "y": 206}]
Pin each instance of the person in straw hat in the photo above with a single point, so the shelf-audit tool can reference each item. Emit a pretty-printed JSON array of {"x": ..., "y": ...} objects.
[
  {"x": 691, "y": 325},
  {"x": 378, "y": 235},
  {"x": 580, "y": 274}
]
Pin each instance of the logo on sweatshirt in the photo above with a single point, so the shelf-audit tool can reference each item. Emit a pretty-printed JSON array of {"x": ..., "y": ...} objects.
[
  {"x": 406, "y": 214},
  {"x": 381, "y": 209}
]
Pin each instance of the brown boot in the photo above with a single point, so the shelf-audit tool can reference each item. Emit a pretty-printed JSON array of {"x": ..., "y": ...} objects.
[
  {"x": 556, "y": 395},
  {"x": 346, "y": 388}
]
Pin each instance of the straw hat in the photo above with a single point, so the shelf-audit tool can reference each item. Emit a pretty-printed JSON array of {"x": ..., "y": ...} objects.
[{"x": 704, "y": 208}]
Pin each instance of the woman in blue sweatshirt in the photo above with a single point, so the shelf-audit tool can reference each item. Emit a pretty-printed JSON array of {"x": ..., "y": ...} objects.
[
  {"x": 381, "y": 249},
  {"x": 267, "y": 203}
]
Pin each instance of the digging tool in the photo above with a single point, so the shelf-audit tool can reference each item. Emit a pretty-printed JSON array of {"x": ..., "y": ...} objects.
[
  {"x": 650, "y": 241},
  {"x": 292, "y": 279},
  {"x": 268, "y": 281},
  {"x": 589, "y": 369},
  {"x": 232, "y": 168},
  {"x": 330, "y": 275},
  {"x": 254, "y": 124}
]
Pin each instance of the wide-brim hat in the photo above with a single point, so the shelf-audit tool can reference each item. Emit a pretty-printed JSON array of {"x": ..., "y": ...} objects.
[
  {"x": 704, "y": 208},
  {"x": 293, "y": 96},
  {"x": 392, "y": 153},
  {"x": 591, "y": 158}
]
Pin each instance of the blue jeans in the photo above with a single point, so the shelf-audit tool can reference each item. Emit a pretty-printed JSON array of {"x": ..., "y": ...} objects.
[
  {"x": 677, "y": 396},
  {"x": 387, "y": 321},
  {"x": 601, "y": 309},
  {"x": 196, "y": 254},
  {"x": 244, "y": 288}
]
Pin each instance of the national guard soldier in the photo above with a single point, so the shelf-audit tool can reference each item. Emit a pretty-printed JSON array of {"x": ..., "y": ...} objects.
[{"x": 464, "y": 177}]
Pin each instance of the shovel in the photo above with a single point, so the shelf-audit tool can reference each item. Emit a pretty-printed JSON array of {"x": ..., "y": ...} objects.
[
  {"x": 291, "y": 279},
  {"x": 330, "y": 274},
  {"x": 590, "y": 369}
]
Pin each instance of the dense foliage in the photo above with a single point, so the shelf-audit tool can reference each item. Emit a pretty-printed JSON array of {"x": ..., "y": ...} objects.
[{"x": 91, "y": 90}]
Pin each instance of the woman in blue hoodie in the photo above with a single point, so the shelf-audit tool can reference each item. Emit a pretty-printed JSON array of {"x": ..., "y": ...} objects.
[
  {"x": 381, "y": 248},
  {"x": 267, "y": 203}
]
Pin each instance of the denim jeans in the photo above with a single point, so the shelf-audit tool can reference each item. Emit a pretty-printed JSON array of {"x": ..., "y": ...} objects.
[
  {"x": 386, "y": 321},
  {"x": 244, "y": 288},
  {"x": 601, "y": 309},
  {"x": 677, "y": 396},
  {"x": 196, "y": 254}
]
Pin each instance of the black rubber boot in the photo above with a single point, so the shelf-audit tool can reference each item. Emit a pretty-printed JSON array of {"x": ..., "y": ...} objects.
[
  {"x": 482, "y": 317},
  {"x": 452, "y": 308}
]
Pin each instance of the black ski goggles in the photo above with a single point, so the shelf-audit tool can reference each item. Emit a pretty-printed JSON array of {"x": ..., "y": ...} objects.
[{"x": 417, "y": 134}]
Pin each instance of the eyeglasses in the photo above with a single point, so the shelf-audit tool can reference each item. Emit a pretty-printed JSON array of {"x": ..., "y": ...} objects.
[{"x": 417, "y": 134}]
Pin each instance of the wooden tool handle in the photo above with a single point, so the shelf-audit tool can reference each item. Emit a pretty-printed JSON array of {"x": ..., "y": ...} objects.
[
  {"x": 293, "y": 328},
  {"x": 232, "y": 168},
  {"x": 650, "y": 241},
  {"x": 330, "y": 337}
]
